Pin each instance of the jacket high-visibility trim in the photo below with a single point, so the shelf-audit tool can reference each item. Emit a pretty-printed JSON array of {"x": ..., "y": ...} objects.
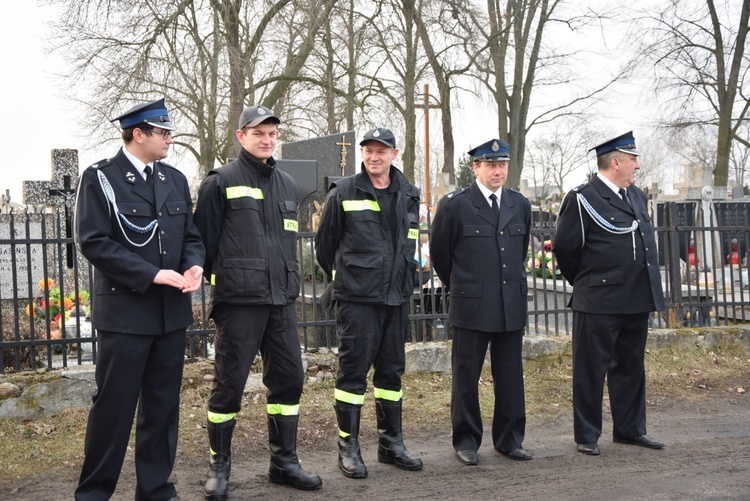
[
  {"x": 390, "y": 395},
  {"x": 360, "y": 205},
  {"x": 282, "y": 410},
  {"x": 216, "y": 418},
  {"x": 244, "y": 191},
  {"x": 349, "y": 398},
  {"x": 413, "y": 233},
  {"x": 213, "y": 278},
  {"x": 291, "y": 225}
]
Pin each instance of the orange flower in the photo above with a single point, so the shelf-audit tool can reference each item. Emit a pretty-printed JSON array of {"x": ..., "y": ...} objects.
[
  {"x": 50, "y": 283},
  {"x": 68, "y": 303}
]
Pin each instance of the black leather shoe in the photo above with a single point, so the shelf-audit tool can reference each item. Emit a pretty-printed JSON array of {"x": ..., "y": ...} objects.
[
  {"x": 518, "y": 454},
  {"x": 643, "y": 441},
  {"x": 468, "y": 457},
  {"x": 591, "y": 449}
]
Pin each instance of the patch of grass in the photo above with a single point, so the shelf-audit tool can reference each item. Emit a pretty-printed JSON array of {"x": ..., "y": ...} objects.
[{"x": 674, "y": 376}]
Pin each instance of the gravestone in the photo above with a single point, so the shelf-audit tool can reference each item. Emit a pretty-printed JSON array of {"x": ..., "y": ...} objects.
[
  {"x": 20, "y": 260},
  {"x": 335, "y": 156},
  {"x": 29, "y": 235},
  {"x": 733, "y": 219},
  {"x": 686, "y": 216}
]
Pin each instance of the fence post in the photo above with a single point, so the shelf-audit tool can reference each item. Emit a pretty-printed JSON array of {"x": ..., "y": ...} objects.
[{"x": 674, "y": 305}]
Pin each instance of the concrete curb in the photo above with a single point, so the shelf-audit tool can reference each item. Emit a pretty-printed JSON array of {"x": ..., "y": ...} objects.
[{"x": 73, "y": 387}]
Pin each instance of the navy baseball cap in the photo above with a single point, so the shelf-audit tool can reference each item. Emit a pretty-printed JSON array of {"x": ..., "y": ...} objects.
[
  {"x": 381, "y": 135},
  {"x": 253, "y": 116}
]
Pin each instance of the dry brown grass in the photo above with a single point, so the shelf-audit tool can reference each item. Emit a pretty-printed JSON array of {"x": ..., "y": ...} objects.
[{"x": 674, "y": 376}]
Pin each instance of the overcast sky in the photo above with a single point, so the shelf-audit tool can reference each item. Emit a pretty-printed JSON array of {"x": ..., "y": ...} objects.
[{"x": 38, "y": 119}]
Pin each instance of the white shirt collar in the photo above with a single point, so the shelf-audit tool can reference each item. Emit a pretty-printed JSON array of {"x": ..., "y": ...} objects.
[
  {"x": 609, "y": 183},
  {"x": 140, "y": 166},
  {"x": 487, "y": 192}
]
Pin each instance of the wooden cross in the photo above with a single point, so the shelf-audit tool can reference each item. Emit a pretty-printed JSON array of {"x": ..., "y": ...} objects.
[
  {"x": 342, "y": 162},
  {"x": 67, "y": 193}
]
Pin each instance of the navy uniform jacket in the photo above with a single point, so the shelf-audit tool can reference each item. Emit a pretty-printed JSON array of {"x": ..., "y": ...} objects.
[
  {"x": 124, "y": 298},
  {"x": 605, "y": 277},
  {"x": 481, "y": 258}
]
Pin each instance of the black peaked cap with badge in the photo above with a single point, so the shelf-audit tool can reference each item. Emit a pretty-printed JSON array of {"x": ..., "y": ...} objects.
[
  {"x": 153, "y": 113},
  {"x": 381, "y": 135},
  {"x": 253, "y": 116},
  {"x": 624, "y": 143},
  {"x": 494, "y": 150}
]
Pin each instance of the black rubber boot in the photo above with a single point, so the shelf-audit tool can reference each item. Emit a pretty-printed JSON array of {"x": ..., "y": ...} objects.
[
  {"x": 285, "y": 468},
  {"x": 220, "y": 462},
  {"x": 391, "y": 448},
  {"x": 350, "y": 457}
]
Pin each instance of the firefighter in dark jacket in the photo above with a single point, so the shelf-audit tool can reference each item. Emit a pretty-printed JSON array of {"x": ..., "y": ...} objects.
[
  {"x": 365, "y": 244},
  {"x": 247, "y": 215},
  {"x": 133, "y": 223},
  {"x": 605, "y": 248},
  {"x": 478, "y": 245}
]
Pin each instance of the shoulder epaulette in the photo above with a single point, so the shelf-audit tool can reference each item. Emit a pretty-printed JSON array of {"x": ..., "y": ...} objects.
[
  {"x": 164, "y": 164},
  {"x": 457, "y": 192},
  {"x": 580, "y": 187},
  {"x": 101, "y": 163}
]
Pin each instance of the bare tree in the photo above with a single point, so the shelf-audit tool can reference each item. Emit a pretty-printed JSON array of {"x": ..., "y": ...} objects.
[
  {"x": 182, "y": 49},
  {"x": 558, "y": 154},
  {"x": 516, "y": 59},
  {"x": 699, "y": 50}
]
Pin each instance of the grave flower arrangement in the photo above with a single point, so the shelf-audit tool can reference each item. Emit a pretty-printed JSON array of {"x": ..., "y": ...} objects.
[
  {"x": 543, "y": 264},
  {"x": 53, "y": 308}
]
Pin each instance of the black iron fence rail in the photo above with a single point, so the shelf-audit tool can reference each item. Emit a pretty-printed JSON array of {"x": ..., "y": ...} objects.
[{"x": 704, "y": 284}]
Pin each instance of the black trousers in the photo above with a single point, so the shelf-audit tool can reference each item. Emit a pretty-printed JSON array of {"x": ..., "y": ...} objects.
[
  {"x": 611, "y": 346},
  {"x": 371, "y": 335},
  {"x": 509, "y": 420},
  {"x": 134, "y": 371},
  {"x": 242, "y": 331}
]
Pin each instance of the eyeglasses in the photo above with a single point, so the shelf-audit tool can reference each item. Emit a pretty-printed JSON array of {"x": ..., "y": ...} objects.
[{"x": 166, "y": 134}]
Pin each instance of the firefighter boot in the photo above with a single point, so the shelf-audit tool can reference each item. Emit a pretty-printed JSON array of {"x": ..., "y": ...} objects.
[
  {"x": 350, "y": 457},
  {"x": 285, "y": 468},
  {"x": 391, "y": 448},
  {"x": 220, "y": 462}
]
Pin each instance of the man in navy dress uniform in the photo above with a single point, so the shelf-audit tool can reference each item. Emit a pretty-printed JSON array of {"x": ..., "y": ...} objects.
[
  {"x": 134, "y": 223},
  {"x": 478, "y": 245},
  {"x": 605, "y": 248}
]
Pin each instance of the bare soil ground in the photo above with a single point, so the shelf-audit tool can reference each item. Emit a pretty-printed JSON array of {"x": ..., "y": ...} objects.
[{"x": 702, "y": 414}]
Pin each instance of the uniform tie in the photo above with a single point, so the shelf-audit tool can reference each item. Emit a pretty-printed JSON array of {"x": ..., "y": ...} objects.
[
  {"x": 495, "y": 207},
  {"x": 624, "y": 195},
  {"x": 149, "y": 177}
]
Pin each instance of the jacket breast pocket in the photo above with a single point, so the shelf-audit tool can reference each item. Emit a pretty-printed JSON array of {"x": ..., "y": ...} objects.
[
  {"x": 178, "y": 211},
  {"x": 247, "y": 215},
  {"x": 138, "y": 213},
  {"x": 478, "y": 238},
  {"x": 517, "y": 232},
  {"x": 289, "y": 216}
]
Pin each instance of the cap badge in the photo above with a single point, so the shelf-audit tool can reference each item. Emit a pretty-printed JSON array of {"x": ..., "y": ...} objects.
[
  {"x": 130, "y": 177},
  {"x": 495, "y": 146},
  {"x": 261, "y": 111},
  {"x": 376, "y": 133}
]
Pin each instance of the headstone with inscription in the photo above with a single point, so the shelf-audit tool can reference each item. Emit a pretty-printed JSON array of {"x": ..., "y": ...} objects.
[{"x": 335, "y": 157}]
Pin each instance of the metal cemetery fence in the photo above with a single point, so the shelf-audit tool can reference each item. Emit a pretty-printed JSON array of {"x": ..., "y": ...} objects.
[{"x": 44, "y": 283}]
